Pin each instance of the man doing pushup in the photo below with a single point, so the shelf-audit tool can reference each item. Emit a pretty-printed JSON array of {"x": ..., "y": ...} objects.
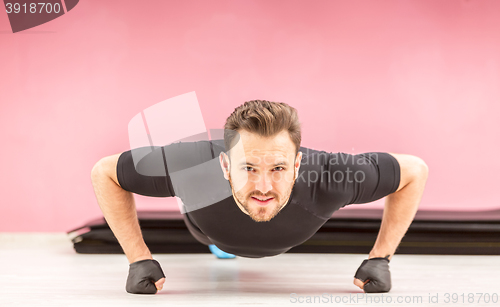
[{"x": 257, "y": 193}]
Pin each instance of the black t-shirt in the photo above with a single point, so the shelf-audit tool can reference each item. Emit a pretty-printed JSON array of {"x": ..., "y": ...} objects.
[{"x": 326, "y": 182}]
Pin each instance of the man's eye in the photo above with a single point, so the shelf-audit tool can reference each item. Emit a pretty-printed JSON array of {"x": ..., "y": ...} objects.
[
  {"x": 278, "y": 168},
  {"x": 248, "y": 168}
]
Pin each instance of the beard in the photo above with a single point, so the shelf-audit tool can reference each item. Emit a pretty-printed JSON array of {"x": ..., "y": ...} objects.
[{"x": 260, "y": 213}]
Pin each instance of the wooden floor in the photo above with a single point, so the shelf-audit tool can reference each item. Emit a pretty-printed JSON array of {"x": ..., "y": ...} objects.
[{"x": 39, "y": 269}]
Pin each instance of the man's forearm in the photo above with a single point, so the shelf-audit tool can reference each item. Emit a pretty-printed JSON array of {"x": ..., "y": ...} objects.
[
  {"x": 119, "y": 210},
  {"x": 399, "y": 211}
]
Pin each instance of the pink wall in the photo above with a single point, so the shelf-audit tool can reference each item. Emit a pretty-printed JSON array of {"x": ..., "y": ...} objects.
[{"x": 417, "y": 77}]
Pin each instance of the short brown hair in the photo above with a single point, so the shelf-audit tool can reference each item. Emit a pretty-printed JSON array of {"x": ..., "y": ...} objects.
[{"x": 265, "y": 118}]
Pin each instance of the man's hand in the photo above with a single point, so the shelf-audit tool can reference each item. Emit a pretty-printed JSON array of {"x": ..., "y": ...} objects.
[
  {"x": 145, "y": 277},
  {"x": 373, "y": 276}
]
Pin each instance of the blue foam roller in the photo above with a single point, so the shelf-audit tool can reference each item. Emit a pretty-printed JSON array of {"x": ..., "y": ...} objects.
[{"x": 219, "y": 253}]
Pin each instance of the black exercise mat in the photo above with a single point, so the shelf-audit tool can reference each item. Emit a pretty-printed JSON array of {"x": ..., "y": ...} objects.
[{"x": 348, "y": 231}]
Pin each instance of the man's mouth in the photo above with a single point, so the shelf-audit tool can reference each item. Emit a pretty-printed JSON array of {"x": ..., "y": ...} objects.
[{"x": 262, "y": 200}]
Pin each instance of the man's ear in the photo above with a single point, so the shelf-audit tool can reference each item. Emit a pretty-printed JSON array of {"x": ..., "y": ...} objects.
[
  {"x": 298, "y": 159},
  {"x": 224, "y": 164}
]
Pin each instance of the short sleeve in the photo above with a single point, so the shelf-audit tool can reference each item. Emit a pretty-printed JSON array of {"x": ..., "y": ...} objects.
[
  {"x": 378, "y": 176},
  {"x": 142, "y": 181},
  {"x": 329, "y": 181}
]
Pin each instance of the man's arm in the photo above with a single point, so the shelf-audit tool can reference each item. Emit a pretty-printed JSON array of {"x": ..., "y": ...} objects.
[
  {"x": 119, "y": 210},
  {"x": 400, "y": 207}
]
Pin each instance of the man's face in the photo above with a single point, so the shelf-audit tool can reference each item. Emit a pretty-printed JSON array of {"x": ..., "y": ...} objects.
[{"x": 261, "y": 172}]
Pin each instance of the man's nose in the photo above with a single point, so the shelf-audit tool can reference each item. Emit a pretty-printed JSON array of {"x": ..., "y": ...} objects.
[{"x": 264, "y": 183}]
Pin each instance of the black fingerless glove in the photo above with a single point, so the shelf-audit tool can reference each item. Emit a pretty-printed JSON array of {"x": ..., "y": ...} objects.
[
  {"x": 143, "y": 275},
  {"x": 376, "y": 270}
]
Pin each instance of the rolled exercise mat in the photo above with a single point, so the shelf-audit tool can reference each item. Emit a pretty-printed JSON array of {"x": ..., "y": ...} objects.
[{"x": 347, "y": 231}]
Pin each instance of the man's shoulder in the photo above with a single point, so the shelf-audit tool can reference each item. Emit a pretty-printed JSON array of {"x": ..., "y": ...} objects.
[
  {"x": 196, "y": 146},
  {"x": 182, "y": 155},
  {"x": 313, "y": 157}
]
